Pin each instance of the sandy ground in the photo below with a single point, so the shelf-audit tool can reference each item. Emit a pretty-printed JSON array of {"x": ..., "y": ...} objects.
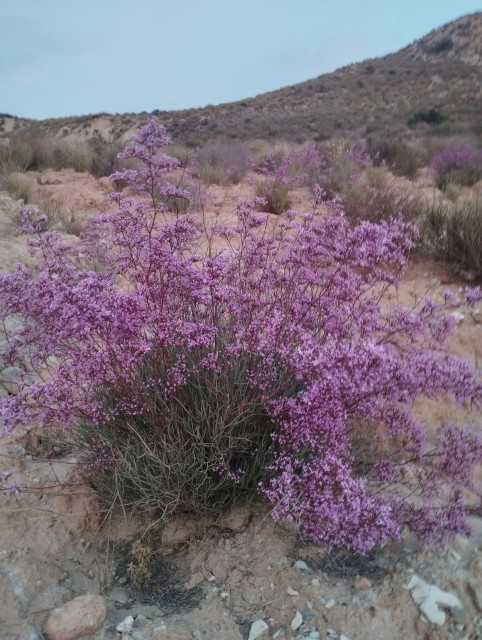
[{"x": 213, "y": 580}]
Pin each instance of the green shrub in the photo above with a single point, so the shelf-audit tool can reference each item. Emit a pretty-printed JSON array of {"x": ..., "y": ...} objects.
[
  {"x": 429, "y": 116},
  {"x": 454, "y": 233},
  {"x": 213, "y": 423}
]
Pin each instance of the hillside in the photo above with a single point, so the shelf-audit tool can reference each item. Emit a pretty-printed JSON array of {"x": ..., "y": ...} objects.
[{"x": 433, "y": 85}]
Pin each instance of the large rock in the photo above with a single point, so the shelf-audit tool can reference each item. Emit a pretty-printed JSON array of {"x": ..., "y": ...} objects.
[
  {"x": 79, "y": 617},
  {"x": 430, "y": 598}
]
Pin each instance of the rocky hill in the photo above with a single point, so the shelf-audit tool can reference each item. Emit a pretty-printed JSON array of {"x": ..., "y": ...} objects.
[{"x": 431, "y": 86}]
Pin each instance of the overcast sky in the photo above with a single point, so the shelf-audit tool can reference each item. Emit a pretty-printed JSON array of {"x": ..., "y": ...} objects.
[{"x": 67, "y": 57}]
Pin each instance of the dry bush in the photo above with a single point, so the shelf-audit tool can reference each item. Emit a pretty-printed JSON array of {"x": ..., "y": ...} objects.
[
  {"x": 222, "y": 163},
  {"x": 70, "y": 155},
  {"x": 24, "y": 152},
  {"x": 399, "y": 157},
  {"x": 18, "y": 186},
  {"x": 342, "y": 172},
  {"x": 104, "y": 159},
  {"x": 377, "y": 197},
  {"x": 181, "y": 152}
]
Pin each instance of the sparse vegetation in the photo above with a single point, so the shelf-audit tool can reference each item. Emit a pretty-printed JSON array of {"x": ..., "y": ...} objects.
[{"x": 222, "y": 163}]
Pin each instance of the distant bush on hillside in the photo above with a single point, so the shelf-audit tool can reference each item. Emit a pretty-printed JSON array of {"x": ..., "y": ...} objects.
[
  {"x": 429, "y": 116},
  {"x": 439, "y": 46}
]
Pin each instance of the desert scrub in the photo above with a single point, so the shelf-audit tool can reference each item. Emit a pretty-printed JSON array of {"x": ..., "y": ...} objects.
[
  {"x": 251, "y": 357},
  {"x": 399, "y": 157},
  {"x": 454, "y": 232}
]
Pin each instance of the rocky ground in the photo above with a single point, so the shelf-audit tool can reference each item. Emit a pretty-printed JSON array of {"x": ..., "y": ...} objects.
[{"x": 66, "y": 571}]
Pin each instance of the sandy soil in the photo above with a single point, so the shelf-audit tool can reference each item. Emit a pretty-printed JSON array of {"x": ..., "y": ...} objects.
[{"x": 213, "y": 580}]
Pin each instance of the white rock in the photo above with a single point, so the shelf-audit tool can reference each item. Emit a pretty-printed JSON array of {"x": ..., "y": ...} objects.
[
  {"x": 343, "y": 637},
  {"x": 297, "y": 621},
  {"x": 429, "y": 599},
  {"x": 258, "y": 629},
  {"x": 458, "y": 315},
  {"x": 292, "y": 592},
  {"x": 126, "y": 625},
  {"x": 301, "y": 565}
]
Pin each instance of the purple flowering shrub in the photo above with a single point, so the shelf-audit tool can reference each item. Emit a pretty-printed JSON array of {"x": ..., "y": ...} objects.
[
  {"x": 208, "y": 361},
  {"x": 460, "y": 164}
]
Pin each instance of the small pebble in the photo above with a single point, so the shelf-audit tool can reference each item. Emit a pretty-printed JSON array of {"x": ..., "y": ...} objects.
[
  {"x": 258, "y": 629},
  {"x": 297, "y": 621},
  {"x": 126, "y": 625},
  {"x": 362, "y": 583}
]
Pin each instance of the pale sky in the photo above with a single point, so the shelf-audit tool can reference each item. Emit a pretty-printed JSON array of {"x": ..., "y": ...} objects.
[{"x": 66, "y": 57}]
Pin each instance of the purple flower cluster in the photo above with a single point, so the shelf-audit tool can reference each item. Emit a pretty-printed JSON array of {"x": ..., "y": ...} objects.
[
  {"x": 294, "y": 168},
  {"x": 298, "y": 298},
  {"x": 457, "y": 156},
  {"x": 459, "y": 163},
  {"x": 359, "y": 156}
]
